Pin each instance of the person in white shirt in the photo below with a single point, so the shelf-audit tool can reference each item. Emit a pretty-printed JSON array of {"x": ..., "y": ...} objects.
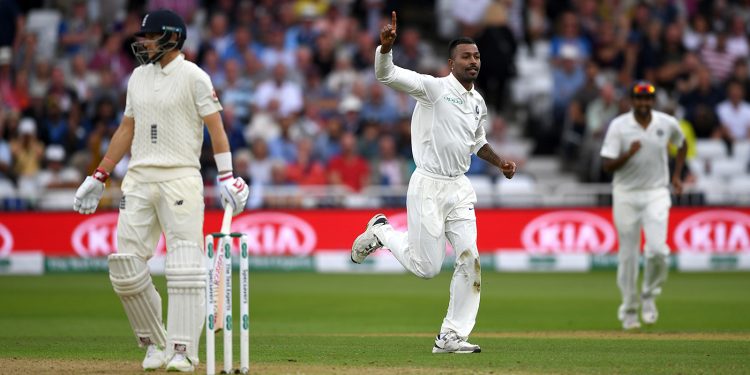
[
  {"x": 168, "y": 101},
  {"x": 447, "y": 127},
  {"x": 635, "y": 149},
  {"x": 734, "y": 113}
]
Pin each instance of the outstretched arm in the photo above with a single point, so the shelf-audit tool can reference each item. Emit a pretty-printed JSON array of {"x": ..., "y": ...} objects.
[
  {"x": 391, "y": 75},
  {"x": 506, "y": 166}
]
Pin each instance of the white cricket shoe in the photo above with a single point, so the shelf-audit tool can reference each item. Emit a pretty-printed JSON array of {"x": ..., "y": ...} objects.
[
  {"x": 649, "y": 313},
  {"x": 630, "y": 321},
  {"x": 366, "y": 243},
  {"x": 154, "y": 358},
  {"x": 450, "y": 342},
  {"x": 180, "y": 363}
]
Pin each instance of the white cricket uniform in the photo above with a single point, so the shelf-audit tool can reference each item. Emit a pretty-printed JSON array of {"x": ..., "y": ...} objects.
[
  {"x": 163, "y": 188},
  {"x": 446, "y": 128},
  {"x": 641, "y": 199}
]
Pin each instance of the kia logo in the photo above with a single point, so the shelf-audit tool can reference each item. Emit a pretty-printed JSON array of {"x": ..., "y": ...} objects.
[
  {"x": 6, "y": 246},
  {"x": 568, "y": 232},
  {"x": 276, "y": 233},
  {"x": 97, "y": 236},
  {"x": 714, "y": 231}
]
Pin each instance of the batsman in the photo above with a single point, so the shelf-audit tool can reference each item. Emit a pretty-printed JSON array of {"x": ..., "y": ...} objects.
[{"x": 169, "y": 99}]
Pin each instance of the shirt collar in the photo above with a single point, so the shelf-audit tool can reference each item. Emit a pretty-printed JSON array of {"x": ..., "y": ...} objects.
[
  {"x": 458, "y": 86},
  {"x": 171, "y": 66}
]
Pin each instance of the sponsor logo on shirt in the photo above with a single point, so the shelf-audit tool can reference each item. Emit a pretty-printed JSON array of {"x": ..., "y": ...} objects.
[{"x": 453, "y": 99}]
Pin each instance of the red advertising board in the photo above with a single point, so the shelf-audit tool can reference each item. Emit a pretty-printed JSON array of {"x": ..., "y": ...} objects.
[{"x": 290, "y": 233}]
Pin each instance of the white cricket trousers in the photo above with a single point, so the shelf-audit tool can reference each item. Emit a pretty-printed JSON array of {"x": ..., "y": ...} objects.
[
  {"x": 633, "y": 210},
  {"x": 175, "y": 208},
  {"x": 440, "y": 208}
]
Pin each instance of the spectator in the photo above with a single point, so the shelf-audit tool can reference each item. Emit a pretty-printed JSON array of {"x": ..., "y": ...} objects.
[
  {"x": 219, "y": 38},
  {"x": 82, "y": 79},
  {"x": 368, "y": 141},
  {"x": 328, "y": 143},
  {"x": 110, "y": 56},
  {"x": 349, "y": 169},
  {"x": 211, "y": 64},
  {"x": 75, "y": 30},
  {"x": 287, "y": 93},
  {"x": 734, "y": 113},
  {"x": 27, "y": 152},
  {"x": 242, "y": 43},
  {"x": 670, "y": 57},
  {"x": 56, "y": 175},
  {"x": 718, "y": 59},
  {"x": 697, "y": 34},
  {"x": 737, "y": 43},
  {"x": 342, "y": 78},
  {"x": 284, "y": 147},
  {"x": 378, "y": 107},
  {"x": 305, "y": 170},
  {"x": 237, "y": 91},
  {"x": 60, "y": 92},
  {"x": 412, "y": 53},
  {"x": 275, "y": 52},
  {"x": 6, "y": 158},
  {"x": 569, "y": 37},
  {"x": 349, "y": 109},
  {"x": 700, "y": 105},
  {"x": 568, "y": 77},
  {"x": 388, "y": 170},
  {"x": 324, "y": 53}
]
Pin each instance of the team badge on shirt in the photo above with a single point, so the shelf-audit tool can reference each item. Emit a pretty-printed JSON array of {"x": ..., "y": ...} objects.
[
  {"x": 213, "y": 95},
  {"x": 660, "y": 132}
]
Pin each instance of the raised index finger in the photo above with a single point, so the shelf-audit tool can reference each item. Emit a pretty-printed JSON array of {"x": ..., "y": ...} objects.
[{"x": 393, "y": 19}]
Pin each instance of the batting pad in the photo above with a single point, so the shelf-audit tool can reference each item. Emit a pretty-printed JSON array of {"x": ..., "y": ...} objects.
[
  {"x": 132, "y": 282},
  {"x": 186, "y": 286}
]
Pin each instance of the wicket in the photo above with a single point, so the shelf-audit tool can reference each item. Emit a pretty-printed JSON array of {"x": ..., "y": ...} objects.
[{"x": 225, "y": 251}]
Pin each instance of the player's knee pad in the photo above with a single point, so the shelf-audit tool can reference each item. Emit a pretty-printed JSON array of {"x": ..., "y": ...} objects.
[
  {"x": 186, "y": 285},
  {"x": 131, "y": 281}
]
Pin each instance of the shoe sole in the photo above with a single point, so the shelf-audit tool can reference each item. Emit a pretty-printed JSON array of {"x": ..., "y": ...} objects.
[{"x": 436, "y": 350}]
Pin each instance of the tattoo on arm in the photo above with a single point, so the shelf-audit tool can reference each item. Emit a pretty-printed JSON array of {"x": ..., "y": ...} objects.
[{"x": 487, "y": 154}]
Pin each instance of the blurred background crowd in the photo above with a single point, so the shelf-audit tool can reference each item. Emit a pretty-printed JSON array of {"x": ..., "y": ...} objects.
[{"x": 310, "y": 126}]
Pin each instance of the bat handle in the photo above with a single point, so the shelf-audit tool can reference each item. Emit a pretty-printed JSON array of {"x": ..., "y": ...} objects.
[{"x": 226, "y": 222}]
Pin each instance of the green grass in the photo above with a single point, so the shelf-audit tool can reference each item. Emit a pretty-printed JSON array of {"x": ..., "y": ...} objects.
[{"x": 303, "y": 322}]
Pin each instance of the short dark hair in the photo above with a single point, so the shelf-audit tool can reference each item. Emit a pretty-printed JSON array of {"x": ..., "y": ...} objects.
[{"x": 456, "y": 42}]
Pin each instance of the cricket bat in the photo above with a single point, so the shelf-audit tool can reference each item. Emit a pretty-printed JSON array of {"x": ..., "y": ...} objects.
[{"x": 218, "y": 280}]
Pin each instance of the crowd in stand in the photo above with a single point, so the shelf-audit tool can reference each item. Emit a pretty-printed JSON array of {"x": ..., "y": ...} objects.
[{"x": 301, "y": 104}]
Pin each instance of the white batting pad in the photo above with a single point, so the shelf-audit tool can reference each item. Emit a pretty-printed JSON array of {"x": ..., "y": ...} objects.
[
  {"x": 132, "y": 282},
  {"x": 186, "y": 285}
]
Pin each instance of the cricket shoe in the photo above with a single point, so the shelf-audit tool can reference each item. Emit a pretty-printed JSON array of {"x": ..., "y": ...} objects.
[
  {"x": 630, "y": 321},
  {"x": 367, "y": 242},
  {"x": 649, "y": 313},
  {"x": 180, "y": 363},
  {"x": 450, "y": 342},
  {"x": 154, "y": 358}
]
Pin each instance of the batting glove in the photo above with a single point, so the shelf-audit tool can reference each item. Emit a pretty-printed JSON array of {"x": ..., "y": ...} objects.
[
  {"x": 90, "y": 192},
  {"x": 234, "y": 191}
]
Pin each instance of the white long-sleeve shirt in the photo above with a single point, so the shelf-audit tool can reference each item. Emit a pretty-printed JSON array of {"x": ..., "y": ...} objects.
[{"x": 447, "y": 124}]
